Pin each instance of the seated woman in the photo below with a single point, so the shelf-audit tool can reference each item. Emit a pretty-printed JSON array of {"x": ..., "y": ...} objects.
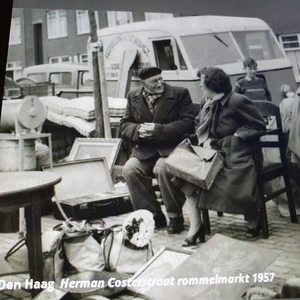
[{"x": 227, "y": 122}]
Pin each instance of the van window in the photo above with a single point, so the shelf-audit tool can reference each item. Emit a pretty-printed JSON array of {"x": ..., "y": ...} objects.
[
  {"x": 182, "y": 63},
  {"x": 85, "y": 79},
  {"x": 258, "y": 44},
  {"x": 38, "y": 77},
  {"x": 62, "y": 79},
  {"x": 211, "y": 49},
  {"x": 164, "y": 55}
]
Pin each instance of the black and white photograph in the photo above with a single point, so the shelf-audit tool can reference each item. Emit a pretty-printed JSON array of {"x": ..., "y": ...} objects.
[{"x": 150, "y": 150}]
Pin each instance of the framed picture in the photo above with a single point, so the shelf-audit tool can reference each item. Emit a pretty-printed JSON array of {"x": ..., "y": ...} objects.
[
  {"x": 159, "y": 266},
  {"x": 85, "y": 148}
]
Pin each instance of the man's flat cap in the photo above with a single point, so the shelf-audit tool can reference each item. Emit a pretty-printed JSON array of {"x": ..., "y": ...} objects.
[{"x": 149, "y": 72}]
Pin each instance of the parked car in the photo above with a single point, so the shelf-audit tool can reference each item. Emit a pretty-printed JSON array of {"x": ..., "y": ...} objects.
[
  {"x": 12, "y": 90},
  {"x": 67, "y": 80}
]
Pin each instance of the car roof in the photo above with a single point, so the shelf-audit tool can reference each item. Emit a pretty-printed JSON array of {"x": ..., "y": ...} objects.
[{"x": 58, "y": 67}]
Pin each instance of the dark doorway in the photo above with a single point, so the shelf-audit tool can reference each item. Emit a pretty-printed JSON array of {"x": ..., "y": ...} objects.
[{"x": 38, "y": 44}]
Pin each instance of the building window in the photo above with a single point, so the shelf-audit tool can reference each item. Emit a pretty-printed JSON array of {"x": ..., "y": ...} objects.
[
  {"x": 119, "y": 18},
  {"x": 60, "y": 59},
  {"x": 83, "y": 58},
  {"x": 157, "y": 16},
  {"x": 83, "y": 22},
  {"x": 57, "y": 24},
  {"x": 15, "y": 31},
  {"x": 290, "y": 42},
  {"x": 14, "y": 68}
]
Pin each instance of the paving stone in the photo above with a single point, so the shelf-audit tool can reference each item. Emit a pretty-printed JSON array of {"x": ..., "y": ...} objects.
[
  {"x": 4, "y": 296},
  {"x": 19, "y": 294},
  {"x": 284, "y": 264}
]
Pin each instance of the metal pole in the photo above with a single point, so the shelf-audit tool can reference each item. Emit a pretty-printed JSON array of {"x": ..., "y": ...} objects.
[
  {"x": 105, "y": 108},
  {"x": 99, "y": 132}
]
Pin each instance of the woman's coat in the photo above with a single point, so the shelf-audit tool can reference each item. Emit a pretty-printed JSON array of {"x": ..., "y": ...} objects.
[{"x": 235, "y": 122}]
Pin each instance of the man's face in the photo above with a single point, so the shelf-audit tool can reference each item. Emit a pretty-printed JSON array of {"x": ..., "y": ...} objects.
[
  {"x": 251, "y": 71},
  {"x": 154, "y": 84}
]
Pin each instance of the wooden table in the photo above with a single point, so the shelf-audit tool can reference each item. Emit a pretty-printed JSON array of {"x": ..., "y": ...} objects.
[{"x": 28, "y": 189}]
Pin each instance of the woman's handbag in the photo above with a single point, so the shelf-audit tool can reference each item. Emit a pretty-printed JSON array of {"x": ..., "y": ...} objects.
[{"x": 195, "y": 164}]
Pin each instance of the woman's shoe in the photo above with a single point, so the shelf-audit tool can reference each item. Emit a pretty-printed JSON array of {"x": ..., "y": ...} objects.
[{"x": 191, "y": 241}]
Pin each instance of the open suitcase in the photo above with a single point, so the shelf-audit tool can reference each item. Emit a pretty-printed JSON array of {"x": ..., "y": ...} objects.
[{"x": 86, "y": 191}]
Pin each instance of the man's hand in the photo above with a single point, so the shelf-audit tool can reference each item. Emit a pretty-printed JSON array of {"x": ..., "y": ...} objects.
[{"x": 146, "y": 130}]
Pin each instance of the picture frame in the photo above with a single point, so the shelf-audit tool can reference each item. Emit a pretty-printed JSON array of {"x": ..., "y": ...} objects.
[
  {"x": 87, "y": 148},
  {"x": 165, "y": 260}
]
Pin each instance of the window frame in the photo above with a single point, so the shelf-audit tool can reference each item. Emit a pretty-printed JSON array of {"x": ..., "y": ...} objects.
[
  {"x": 60, "y": 59},
  {"x": 16, "y": 68},
  {"x": 150, "y": 16},
  {"x": 87, "y": 30},
  {"x": 60, "y": 77},
  {"x": 177, "y": 59},
  {"x": 57, "y": 27},
  {"x": 15, "y": 31},
  {"x": 83, "y": 58},
  {"x": 282, "y": 43},
  {"x": 112, "y": 19}
]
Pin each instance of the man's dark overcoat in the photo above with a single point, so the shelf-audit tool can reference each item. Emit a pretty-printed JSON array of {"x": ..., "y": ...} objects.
[
  {"x": 234, "y": 189},
  {"x": 173, "y": 118}
]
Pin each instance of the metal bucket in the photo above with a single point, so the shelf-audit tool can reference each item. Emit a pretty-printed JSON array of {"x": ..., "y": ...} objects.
[{"x": 10, "y": 160}]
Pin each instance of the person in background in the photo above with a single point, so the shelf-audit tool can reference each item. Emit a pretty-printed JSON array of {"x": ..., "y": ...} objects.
[
  {"x": 252, "y": 85},
  {"x": 286, "y": 107},
  {"x": 272, "y": 156},
  {"x": 228, "y": 121},
  {"x": 294, "y": 149},
  {"x": 294, "y": 138},
  {"x": 157, "y": 118}
]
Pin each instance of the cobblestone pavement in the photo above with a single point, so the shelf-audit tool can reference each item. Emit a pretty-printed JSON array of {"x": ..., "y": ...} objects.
[{"x": 284, "y": 238}]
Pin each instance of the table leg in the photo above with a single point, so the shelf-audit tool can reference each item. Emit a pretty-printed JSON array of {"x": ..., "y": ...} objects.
[{"x": 33, "y": 237}]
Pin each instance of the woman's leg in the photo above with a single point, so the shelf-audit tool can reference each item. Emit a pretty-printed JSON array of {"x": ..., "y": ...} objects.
[
  {"x": 194, "y": 215},
  {"x": 197, "y": 229}
]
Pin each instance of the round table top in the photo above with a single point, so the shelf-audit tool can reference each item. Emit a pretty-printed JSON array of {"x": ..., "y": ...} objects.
[{"x": 27, "y": 181}]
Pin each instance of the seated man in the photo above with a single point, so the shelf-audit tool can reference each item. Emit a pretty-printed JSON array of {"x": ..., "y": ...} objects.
[{"x": 157, "y": 118}]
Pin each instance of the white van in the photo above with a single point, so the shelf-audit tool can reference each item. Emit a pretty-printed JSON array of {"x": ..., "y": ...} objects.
[{"x": 180, "y": 46}]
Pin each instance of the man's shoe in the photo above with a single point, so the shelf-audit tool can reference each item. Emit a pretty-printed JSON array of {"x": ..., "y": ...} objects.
[
  {"x": 253, "y": 232},
  {"x": 160, "y": 221},
  {"x": 176, "y": 225}
]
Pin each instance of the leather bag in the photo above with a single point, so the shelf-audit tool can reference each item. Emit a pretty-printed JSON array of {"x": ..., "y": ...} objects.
[
  {"x": 123, "y": 257},
  {"x": 195, "y": 164}
]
